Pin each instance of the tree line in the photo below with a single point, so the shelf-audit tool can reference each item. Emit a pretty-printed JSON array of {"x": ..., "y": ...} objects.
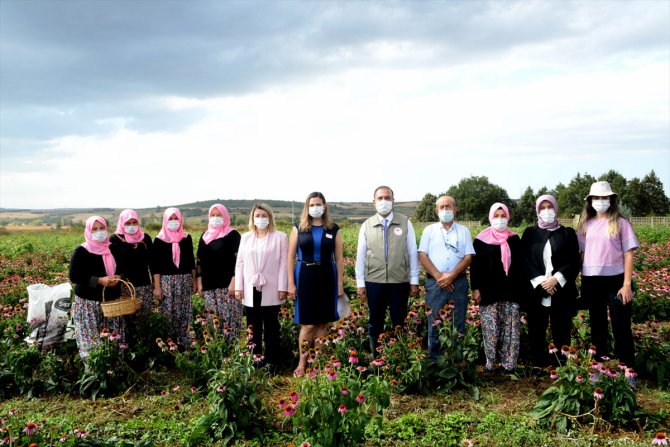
[{"x": 475, "y": 195}]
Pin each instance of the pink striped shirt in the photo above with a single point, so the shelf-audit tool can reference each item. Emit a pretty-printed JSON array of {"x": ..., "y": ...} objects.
[{"x": 603, "y": 256}]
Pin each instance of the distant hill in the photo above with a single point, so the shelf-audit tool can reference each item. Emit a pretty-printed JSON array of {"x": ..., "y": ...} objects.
[{"x": 195, "y": 213}]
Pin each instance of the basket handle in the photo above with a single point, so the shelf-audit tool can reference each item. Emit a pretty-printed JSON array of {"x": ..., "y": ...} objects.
[{"x": 127, "y": 283}]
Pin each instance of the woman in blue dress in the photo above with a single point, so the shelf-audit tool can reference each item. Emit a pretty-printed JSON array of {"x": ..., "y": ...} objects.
[{"x": 316, "y": 279}]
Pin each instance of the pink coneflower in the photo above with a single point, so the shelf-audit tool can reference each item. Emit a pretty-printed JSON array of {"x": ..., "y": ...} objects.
[
  {"x": 353, "y": 357},
  {"x": 360, "y": 398},
  {"x": 598, "y": 393},
  {"x": 30, "y": 428},
  {"x": 552, "y": 348},
  {"x": 258, "y": 358},
  {"x": 377, "y": 362},
  {"x": 437, "y": 322},
  {"x": 553, "y": 374},
  {"x": 344, "y": 390},
  {"x": 572, "y": 353},
  {"x": 565, "y": 350},
  {"x": 332, "y": 374},
  {"x": 360, "y": 368},
  {"x": 114, "y": 336},
  {"x": 630, "y": 374},
  {"x": 281, "y": 403},
  {"x": 579, "y": 379},
  {"x": 289, "y": 410},
  {"x": 468, "y": 443},
  {"x": 165, "y": 393},
  {"x": 203, "y": 349},
  {"x": 194, "y": 390},
  {"x": 220, "y": 389},
  {"x": 104, "y": 333},
  {"x": 13, "y": 411},
  {"x": 63, "y": 437},
  {"x": 660, "y": 439},
  {"x": 294, "y": 396},
  {"x": 592, "y": 350},
  {"x": 342, "y": 409},
  {"x": 305, "y": 444},
  {"x": 81, "y": 433},
  {"x": 176, "y": 388},
  {"x": 123, "y": 346}
]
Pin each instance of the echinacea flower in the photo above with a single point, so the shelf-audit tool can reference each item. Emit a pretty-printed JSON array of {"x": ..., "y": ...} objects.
[
  {"x": 342, "y": 409},
  {"x": 377, "y": 362},
  {"x": 572, "y": 353},
  {"x": 660, "y": 439},
  {"x": 104, "y": 333},
  {"x": 552, "y": 348},
  {"x": 12, "y": 412},
  {"x": 332, "y": 374},
  {"x": 305, "y": 444},
  {"x": 553, "y": 374},
  {"x": 289, "y": 410},
  {"x": 565, "y": 350},
  {"x": 598, "y": 393},
  {"x": 630, "y": 374},
  {"x": 360, "y": 398},
  {"x": 353, "y": 357},
  {"x": 344, "y": 390},
  {"x": 360, "y": 368},
  {"x": 294, "y": 396},
  {"x": 592, "y": 350},
  {"x": 114, "y": 336},
  {"x": 30, "y": 428},
  {"x": 579, "y": 379}
]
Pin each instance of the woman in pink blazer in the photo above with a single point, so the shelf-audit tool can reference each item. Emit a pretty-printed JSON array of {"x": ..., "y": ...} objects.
[{"x": 261, "y": 280}]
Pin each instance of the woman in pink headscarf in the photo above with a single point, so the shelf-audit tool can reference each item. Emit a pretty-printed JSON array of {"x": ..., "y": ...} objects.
[
  {"x": 173, "y": 267},
  {"x": 217, "y": 255},
  {"x": 132, "y": 248},
  {"x": 496, "y": 275},
  {"x": 92, "y": 268}
]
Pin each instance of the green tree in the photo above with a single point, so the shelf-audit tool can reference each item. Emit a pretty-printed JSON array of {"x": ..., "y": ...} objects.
[
  {"x": 525, "y": 211},
  {"x": 475, "y": 195},
  {"x": 655, "y": 195},
  {"x": 617, "y": 181},
  {"x": 571, "y": 198},
  {"x": 634, "y": 199},
  {"x": 425, "y": 210}
]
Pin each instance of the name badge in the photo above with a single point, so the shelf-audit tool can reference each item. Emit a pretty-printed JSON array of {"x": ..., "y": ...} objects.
[
  {"x": 397, "y": 231},
  {"x": 329, "y": 236}
]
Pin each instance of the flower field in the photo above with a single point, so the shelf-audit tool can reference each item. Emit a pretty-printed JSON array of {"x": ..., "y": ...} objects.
[{"x": 146, "y": 392}]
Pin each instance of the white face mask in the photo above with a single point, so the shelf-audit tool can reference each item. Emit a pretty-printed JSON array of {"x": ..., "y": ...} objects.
[
  {"x": 261, "y": 222},
  {"x": 173, "y": 225},
  {"x": 600, "y": 205},
  {"x": 99, "y": 236},
  {"x": 499, "y": 223},
  {"x": 131, "y": 229},
  {"x": 384, "y": 206},
  {"x": 315, "y": 211},
  {"x": 216, "y": 221},
  {"x": 548, "y": 215},
  {"x": 446, "y": 216}
]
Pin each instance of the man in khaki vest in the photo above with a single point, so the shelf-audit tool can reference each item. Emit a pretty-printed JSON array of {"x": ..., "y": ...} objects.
[{"x": 387, "y": 265}]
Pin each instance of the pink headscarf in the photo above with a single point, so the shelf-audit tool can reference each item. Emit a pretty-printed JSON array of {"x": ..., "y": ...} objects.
[
  {"x": 540, "y": 223},
  {"x": 173, "y": 237},
  {"x": 213, "y": 233},
  {"x": 124, "y": 217},
  {"x": 494, "y": 237},
  {"x": 99, "y": 248}
]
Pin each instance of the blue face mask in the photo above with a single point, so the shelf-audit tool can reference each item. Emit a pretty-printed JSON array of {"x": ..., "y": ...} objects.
[{"x": 446, "y": 216}]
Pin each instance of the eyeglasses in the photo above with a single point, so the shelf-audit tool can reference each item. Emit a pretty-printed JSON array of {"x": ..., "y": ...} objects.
[{"x": 447, "y": 245}]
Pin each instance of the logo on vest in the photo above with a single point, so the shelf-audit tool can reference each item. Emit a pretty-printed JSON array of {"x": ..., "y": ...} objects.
[{"x": 397, "y": 231}]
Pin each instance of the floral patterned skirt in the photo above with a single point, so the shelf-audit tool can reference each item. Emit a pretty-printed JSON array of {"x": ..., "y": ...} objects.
[
  {"x": 177, "y": 306},
  {"x": 500, "y": 324},
  {"x": 227, "y": 309},
  {"x": 88, "y": 324}
]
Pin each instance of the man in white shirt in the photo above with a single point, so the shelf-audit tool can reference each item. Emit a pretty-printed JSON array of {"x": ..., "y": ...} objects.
[
  {"x": 445, "y": 252},
  {"x": 387, "y": 266}
]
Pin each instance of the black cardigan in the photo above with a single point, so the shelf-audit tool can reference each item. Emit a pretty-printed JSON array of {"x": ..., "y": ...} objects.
[
  {"x": 161, "y": 257},
  {"x": 488, "y": 276},
  {"x": 564, "y": 258},
  {"x": 216, "y": 260},
  {"x": 85, "y": 269},
  {"x": 132, "y": 260}
]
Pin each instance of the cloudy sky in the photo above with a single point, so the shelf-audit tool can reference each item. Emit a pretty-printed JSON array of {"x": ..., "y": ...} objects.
[{"x": 143, "y": 103}]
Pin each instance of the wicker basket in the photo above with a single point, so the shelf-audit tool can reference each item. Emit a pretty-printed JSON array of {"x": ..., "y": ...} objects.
[{"x": 125, "y": 305}]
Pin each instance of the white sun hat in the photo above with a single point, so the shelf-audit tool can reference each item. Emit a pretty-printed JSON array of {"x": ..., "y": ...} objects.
[{"x": 600, "y": 189}]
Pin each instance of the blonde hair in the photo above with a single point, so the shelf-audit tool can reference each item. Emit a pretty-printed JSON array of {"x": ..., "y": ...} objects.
[
  {"x": 265, "y": 207},
  {"x": 306, "y": 220},
  {"x": 613, "y": 215}
]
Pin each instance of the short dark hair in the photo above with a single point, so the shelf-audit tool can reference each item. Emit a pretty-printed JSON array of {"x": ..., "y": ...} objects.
[{"x": 383, "y": 187}]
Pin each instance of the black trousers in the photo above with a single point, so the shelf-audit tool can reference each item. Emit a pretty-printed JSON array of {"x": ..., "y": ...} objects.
[
  {"x": 265, "y": 322},
  {"x": 538, "y": 321},
  {"x": 600, "y": 294}
]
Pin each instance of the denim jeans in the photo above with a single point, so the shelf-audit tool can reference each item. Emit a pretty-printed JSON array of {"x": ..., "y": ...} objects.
[{"x": 436, "y": 299}]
